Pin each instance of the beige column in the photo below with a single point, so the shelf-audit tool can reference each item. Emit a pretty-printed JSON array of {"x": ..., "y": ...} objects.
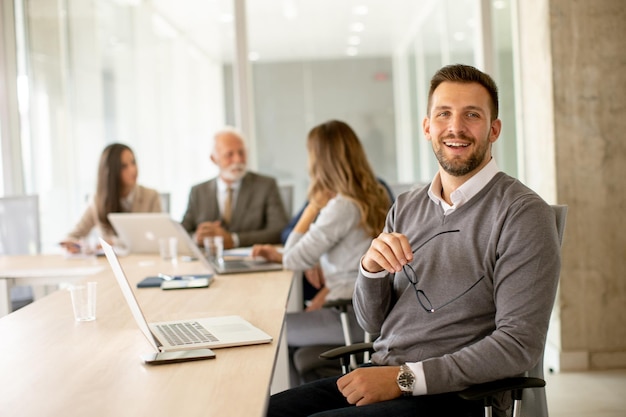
[{"x": 573, "y": 76}]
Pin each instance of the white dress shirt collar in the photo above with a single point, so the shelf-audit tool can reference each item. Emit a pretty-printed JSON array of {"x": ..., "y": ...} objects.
[
  {"x": 466, "y": 191},
  {"x": 222, "y": 186}
]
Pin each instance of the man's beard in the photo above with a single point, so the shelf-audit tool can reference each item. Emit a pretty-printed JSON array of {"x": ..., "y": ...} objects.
[
  {"x": 459, "y": 167},
  {"x": 234, "y": 172}
]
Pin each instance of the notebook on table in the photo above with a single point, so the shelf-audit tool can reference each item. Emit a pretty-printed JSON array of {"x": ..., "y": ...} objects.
[
  {"x": 183, "y": 335},
  {"x": 141, "y": 232}
]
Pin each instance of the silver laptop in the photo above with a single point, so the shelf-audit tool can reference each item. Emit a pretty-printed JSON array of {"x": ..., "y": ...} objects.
[
  {"x": 140, "y": 232},
  {"x": 213, "y": 332},
  {"x": 230, "y": 264},
  {"x": 240, "y": 266}
]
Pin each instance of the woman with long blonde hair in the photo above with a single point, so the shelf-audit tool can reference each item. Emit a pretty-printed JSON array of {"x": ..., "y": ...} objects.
[{"x": 347, "y": 209}]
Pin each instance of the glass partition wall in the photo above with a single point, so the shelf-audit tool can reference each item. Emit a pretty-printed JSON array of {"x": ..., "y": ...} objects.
[
  {"x": 159, "y": 75},
  {"x": 116, "y": 71}
]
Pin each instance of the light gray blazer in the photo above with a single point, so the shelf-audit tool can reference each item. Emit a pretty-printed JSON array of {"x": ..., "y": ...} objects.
[{"x": 258, "y": 216}]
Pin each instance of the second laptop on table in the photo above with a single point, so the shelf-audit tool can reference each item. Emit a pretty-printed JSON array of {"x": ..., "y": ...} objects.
[{"x": 140, "y": 233}]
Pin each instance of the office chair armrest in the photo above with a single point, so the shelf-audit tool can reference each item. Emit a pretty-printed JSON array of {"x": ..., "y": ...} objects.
[
  {"x": 341, "y": 303},
  {"x": 345, "y": 351},
  {"x": 515, "y": 384}
]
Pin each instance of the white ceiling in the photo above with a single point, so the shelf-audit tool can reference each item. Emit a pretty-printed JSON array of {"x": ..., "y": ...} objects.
[{"x": 304, "y": 29}]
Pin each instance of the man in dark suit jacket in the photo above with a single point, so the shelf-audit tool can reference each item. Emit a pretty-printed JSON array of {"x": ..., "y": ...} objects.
[{"x": 258, "y": 214}]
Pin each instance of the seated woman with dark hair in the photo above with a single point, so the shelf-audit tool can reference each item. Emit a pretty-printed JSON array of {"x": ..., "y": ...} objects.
[{"x": 116, "y": 191}]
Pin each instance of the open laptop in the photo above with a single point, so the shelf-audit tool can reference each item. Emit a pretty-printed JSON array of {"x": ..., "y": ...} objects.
[
  {"x": 169, "y": 336},
  {"x": 243, "y": 265},
  {"x": 141, "y": 231}
]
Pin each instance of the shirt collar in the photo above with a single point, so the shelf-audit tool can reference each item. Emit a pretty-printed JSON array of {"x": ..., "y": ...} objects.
[
  {"x": 222, "y": 186},
  {"x": 466, "y": 191}
]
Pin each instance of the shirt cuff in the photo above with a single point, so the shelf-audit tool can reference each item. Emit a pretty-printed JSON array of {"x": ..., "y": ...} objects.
[
  {"x": 419, "y": 388},
  {"x": 381, "y": 274},
  {"x": 235, "y": 238}
]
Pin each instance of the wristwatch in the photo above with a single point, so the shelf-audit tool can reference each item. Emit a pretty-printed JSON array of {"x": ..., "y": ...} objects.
[{"x": 406, "y": 380}]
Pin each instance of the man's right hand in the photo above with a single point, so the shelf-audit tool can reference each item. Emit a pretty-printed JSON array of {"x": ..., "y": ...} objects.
[
  {"x": 389, "y": 251},
  {"x": 370, "y": 385}
]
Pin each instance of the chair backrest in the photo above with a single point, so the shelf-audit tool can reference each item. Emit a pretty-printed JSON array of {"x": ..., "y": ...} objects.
[
  {"x": 165, "y": 202},
  {"x": 535, "y": 403},
  {"x": 286, "y": 194},
  {"x": 401, "y": 187},
  {"x": 19, "y": 225}
]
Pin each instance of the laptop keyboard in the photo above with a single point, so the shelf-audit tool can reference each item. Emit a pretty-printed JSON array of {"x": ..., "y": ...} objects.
[{"x": 180, "y": 334}]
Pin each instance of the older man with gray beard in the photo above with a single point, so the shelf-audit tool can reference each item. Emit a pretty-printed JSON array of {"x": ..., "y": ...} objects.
[{"x": 243, "y": 207}]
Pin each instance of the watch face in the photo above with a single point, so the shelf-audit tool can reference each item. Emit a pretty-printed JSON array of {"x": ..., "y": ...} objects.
[{"x": 406, "y": 380}]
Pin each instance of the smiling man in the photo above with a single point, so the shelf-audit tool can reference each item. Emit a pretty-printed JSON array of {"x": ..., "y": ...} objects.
[{"x": 460, "y": 284}]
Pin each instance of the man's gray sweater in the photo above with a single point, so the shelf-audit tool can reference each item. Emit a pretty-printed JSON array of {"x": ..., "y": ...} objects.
[{"x": 492, "y": 284}]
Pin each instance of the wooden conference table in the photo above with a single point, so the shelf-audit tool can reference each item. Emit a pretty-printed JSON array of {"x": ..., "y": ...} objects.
[{"x": 51, "y": 365}]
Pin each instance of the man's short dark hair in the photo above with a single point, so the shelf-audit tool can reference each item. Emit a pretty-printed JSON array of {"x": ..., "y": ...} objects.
[{"x": 459, "y": 73}]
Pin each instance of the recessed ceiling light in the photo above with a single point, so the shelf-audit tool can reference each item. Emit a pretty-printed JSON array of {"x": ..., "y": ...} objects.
[
  {"x": 357, "y": 27},
  {"x": 360, "y": 9},
  {"x": 290, "y": 10}
]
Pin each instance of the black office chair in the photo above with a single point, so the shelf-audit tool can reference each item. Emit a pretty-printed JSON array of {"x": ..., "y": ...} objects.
[
  {"x": 535, "y": 404},
  {"x": 307, "y": 360}
]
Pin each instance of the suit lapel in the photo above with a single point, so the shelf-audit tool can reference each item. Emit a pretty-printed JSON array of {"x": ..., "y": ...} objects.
[
  {"x": 242, "y": 201},
  {"x": 213, "y": 205}
]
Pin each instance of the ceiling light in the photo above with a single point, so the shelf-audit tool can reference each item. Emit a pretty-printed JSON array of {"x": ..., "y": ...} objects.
[
  {"x": 357, "y": 27},
  {"x": 254, "y": 56},
  {"x": 290, "y": 10},
  {"x": 459, "y": 36},
  {"x": 352, "y": 51},
  {"x": 360, "y": 10}
]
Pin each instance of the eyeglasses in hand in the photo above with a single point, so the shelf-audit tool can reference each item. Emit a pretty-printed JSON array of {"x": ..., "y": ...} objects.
[{"x": 422, "y": 298}]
